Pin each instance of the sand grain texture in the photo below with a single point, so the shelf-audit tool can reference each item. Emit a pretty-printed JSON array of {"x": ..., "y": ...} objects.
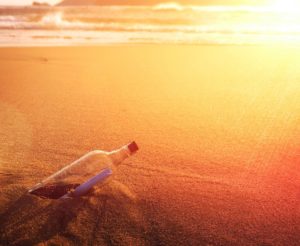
[{"x": 218, "y": 130}]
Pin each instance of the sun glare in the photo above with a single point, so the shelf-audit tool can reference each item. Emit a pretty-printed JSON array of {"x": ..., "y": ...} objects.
[
  {"x": 168, "y": 6},
  {"x": 286, "y": 5}
]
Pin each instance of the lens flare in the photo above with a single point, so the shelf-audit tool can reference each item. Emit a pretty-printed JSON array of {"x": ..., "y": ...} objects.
[{"x": 15, "y": 135}]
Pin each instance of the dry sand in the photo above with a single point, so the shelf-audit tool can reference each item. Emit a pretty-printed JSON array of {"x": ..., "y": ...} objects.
[{"x": 219, "y": 135}]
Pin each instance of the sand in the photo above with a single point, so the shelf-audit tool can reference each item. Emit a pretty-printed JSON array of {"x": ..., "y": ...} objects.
[{"x": 218, "y": 130}]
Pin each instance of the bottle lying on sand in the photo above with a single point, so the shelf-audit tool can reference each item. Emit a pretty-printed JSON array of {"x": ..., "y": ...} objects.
[{"x": 80, "y": 176}]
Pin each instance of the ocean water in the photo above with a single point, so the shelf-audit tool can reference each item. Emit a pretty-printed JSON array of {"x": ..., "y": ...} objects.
[{"x": 22, "y": 26}]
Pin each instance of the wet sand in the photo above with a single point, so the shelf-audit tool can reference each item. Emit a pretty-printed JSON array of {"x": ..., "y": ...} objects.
[{"x": 219, "y": 135}]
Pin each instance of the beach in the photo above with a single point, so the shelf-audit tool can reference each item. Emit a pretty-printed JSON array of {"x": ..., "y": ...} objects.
[{"x": 217, "y": 126}]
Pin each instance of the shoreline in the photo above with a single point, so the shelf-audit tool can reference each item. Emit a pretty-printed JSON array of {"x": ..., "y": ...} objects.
[{"x": 279, "y": 45}]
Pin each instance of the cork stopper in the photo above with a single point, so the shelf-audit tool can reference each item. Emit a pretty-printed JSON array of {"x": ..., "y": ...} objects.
[{"x": 132, "y": 147}]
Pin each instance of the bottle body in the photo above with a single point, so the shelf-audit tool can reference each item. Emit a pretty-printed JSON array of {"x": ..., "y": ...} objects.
[
  {"x": 92, "y": 168},
  {"x": 82, "y": 169}
]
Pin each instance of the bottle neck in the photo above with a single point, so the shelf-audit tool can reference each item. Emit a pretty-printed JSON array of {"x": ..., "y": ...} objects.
[{"x": 119, "y": 155}]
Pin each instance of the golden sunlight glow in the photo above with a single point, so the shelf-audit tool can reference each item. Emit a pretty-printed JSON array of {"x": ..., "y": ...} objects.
[
  {"x": 169, "y": 5},
  {"x": 286, "y": 5}
]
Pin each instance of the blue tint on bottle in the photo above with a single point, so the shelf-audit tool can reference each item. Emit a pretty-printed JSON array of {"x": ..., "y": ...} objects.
[{"x": 86, "y": 186}]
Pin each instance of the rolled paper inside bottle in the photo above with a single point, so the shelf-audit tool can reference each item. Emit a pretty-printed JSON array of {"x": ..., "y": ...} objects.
[{"x": 86, "y": 186}]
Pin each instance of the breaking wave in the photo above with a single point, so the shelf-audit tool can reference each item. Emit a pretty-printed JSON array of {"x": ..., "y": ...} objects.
[{"x": 161, "y": 23}]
